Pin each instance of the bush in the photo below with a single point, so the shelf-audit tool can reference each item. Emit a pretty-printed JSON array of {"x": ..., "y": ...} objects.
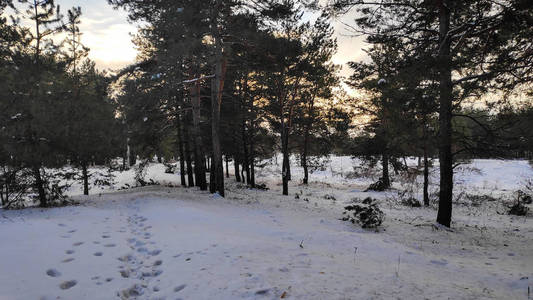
[
  {"x": 170, "y": 168},
  {"x": 412, "y": 202},
  {"x": 524, "y": 197},
  {"x": 378, "y": 186},
  {"x": 518, "y": 209},
  {"x": 367, "y": 214}
]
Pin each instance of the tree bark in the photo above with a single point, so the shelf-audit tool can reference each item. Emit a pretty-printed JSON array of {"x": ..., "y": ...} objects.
[
  {"x": 285, "y": 151},
  {"x": 190, "y": 175},
  {"x": 39, "y": 185},
  {"x": 85, "y": 175},
  {"x": 385, "y": 168},
  {"x": 181, "y": 152},
  {"x": 426, "y": 175},
  {"x": 199, "y": 168},
  {"x": 236, "y": 167},
  {"x": 444, "y": 214},
  {"x": 246, "y": 158},
  {"x": 227, "y": 166},
  {"x": 304, "y": 156},
  {"x": 216, "y": 101}
]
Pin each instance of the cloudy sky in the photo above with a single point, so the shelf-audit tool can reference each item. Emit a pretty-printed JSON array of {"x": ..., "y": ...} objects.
[{"x": 107, "y": 33}]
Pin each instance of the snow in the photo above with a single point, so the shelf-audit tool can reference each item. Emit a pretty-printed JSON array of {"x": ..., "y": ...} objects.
[{"x": 161, "y": 242}]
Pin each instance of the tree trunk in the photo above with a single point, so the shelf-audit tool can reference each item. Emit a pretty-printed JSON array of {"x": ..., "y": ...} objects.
[
  {"x": 85, "y": 175},
  {"x": 39, "y": 185},
  {"x": 227, "y": 166},
  {"x": 288, "y": 166},
  {"x": 444, "y": 215},
  {"x": 216, "y": 101},
  {"x": 133, "y": 158},
  {"x": 128, "y": 154},
  {"x": 285, "y": 151},
  {"x": 426, "y": 175},
  {"x": 246, "y": 159},
  {"x": 199, "y": 168},
  {"x": 236, "y": 167},
  {"x": 385, "y": 163},
  {"x": 190, "y": 175},
  {"x": 212, "y": 180},
  {"x": 304, "y": 155},
  {"x": 181, "y": 152}
]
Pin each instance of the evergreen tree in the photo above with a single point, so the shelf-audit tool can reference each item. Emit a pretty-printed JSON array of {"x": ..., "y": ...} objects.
[{"x": 473, "y": 46}]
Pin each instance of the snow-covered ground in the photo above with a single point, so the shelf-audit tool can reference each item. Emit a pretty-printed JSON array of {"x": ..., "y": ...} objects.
[{"x": 172, "y": 243}]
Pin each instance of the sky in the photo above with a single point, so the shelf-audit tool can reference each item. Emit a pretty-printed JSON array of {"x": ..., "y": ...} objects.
[{"x": 107, "y": 32}]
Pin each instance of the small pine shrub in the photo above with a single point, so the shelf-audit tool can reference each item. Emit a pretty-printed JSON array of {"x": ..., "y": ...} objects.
[
  {"x": 378, "y": 186},
  {"x": 170, "y": 168},
  {"x": 412, "y": 202},
  {"x": 367, "y": 214},
  {"x": 518, "y": 209}
]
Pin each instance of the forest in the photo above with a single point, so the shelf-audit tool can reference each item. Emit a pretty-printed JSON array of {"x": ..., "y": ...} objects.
[{"x": 240, "y": 103}]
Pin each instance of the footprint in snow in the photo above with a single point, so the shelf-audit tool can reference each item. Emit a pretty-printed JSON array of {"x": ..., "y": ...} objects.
[
  {"x": 134, "y": 291},
  {"x": 61, "y": 225},
  {"x": 125, "y": 273},
  {"x": 179, "y": 288},
  {"x": 155, "y": 252},
  {"x": 77, "y": 244},
  {"x": 98, "y": 254},
  {"x": 70, "y": 252},
  {"x": 72, "y": 231},
  {"x": 440, "y": 263},
  {"x": 109, "y": 245},
  {"x": 53, "y": 273},
  {"x": 67, "y": 284},
  {"x": 105, "y": 236},
  {"x": 67, "y": 260}
]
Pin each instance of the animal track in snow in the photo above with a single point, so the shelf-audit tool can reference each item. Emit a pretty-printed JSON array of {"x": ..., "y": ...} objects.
[
  {"x": 68, "y": 284},
  {"x": 53, "y": 273},
  {"x": 179, "y": 288}
]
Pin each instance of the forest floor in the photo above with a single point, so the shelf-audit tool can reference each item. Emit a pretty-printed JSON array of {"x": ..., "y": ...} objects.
[{"x": 177, "y": 243}]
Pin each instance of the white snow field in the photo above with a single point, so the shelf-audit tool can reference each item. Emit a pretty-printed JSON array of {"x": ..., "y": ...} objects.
[{"x": 179, "y": 243}]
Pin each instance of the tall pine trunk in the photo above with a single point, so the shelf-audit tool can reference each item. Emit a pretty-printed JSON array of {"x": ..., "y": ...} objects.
[
  {"x": 85, "y": 175},
  {"x": 236, "y": 167},
  {"x": 426, "y": 175},
  {"x": 444, "y": 214},
  {"x": 227, "y": 166},
  {"x": 216, "y": 101},
  {"x": 199, "y": 155},
  {"x": 39, "y": 185},
  {"x": 285, "y": 152},
  {"x": 385, "y": 168},
  {"x": 190, "y": 175},
  {"x": 304, "y": 155},
  {"x": 246, "y": 158},
  {"x": 181, "y": 151}
]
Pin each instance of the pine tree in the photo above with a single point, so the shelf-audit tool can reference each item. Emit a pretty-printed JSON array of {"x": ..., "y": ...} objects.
[{"x": 474, "y": 47}]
